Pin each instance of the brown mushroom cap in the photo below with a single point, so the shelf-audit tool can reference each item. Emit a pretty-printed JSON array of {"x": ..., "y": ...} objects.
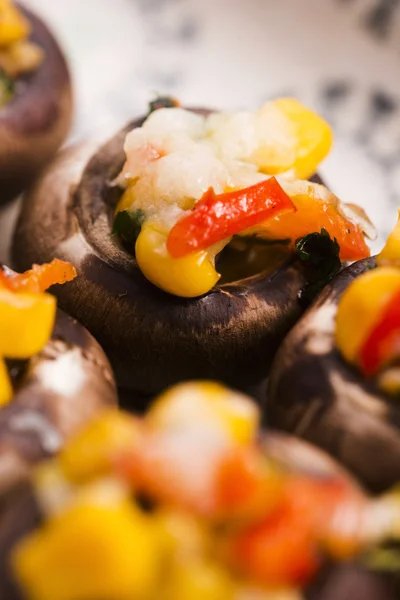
[
  {"x": 153, "y": 339},
  {"x": 314, "y": 393},
  {"x": 36, "y": 121},
  {"x": 61, "y": 388},
  {"x": 21, "y": 514}
]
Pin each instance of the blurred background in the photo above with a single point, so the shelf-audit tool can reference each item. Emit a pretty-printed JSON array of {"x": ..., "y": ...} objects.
[{"x": 340, "y": 56}]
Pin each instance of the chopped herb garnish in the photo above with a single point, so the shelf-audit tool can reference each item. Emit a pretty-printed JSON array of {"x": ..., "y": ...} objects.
[
  {"x": 7, "y": 89},
  {"x": 128, "y": 224},
  {"x": 320, "y": 255},
  {"x": 383, "y": 559},
  {"x": 163, "y": 102}
]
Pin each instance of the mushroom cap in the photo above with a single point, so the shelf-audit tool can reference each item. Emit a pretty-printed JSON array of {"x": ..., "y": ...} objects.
[
  {"x": 153, "y": 339},
  {"x": 314, "y": 393},
  {"x": 60, "y": 389},
  {"x": 34, "y": 124}
]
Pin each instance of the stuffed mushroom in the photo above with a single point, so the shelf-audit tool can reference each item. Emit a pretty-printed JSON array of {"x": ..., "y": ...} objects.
[
  {"x": 54, "y": 378},
  {"x": 336, "y": 379},
  {"x": 188, "y": 502},
  {"x": 195, "y": 257},
  {"x": 35, "y": 98}
]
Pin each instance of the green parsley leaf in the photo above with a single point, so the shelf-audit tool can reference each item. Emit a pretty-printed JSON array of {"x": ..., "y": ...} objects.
[
  {"x": 7, "y": 89},
  {"x": 128, "y": 224},
  {"x": 163, "y": 102},
  {"x": 383, "y": 559},
  {"x": 320, "y": 256}
]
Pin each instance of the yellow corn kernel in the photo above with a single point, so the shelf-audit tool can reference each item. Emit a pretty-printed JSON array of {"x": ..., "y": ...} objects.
[
  {"x": 390, "y": 254},
  {"x": 6, "y": 390},
  {"x": 21, "y": 57},
  {"x": 90, "y": 453},
  {"x": 13, "y": 25},
  {"x": 299, "y": 142},
  {"x": 126, "y": 201},
  {"x": 208, "y": 403},
  {"x": 190, "y": 276},
  {"x": 26, "y": 322},
  {"x": 90, "y": 552},
  {"x": 197, "y": 580},
  {"x": 389, "y": 381},
  {"x": 361, "y": 307}
]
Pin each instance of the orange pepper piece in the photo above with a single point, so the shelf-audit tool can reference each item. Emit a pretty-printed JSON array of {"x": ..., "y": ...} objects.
[
  {"x": 247, "y": 484},
  {"x": 41, "y": 277},
  {"x": 312, "y": 215},
  {"x": 278, "y": 551}
]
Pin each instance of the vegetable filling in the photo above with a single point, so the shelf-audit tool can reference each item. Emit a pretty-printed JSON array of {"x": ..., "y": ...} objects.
[
  {"x": 192, "y": 182},
  {"x": 27, "y": 314},
  {"x": 228, "y": 521}
]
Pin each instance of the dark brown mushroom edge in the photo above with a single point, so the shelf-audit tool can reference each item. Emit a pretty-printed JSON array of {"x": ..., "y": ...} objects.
[
  {"x": 22, "y": 513},
  {"x": 56, "y": 392},
  {"x": 153, "y": 339},
  {"x": 314, "y": 393},
  {"x": 36, "y": 121}
]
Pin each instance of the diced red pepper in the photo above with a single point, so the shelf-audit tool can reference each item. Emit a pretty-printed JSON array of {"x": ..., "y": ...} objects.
[
  {"x": 247, "y": 484},
  {"x": 282, "y": 549},
  {"x": 5, "y": 281},
  {"x": 217, "y": 217},
  {"x": 383, "y": 342},
  {"x": 279, "y": 551}
]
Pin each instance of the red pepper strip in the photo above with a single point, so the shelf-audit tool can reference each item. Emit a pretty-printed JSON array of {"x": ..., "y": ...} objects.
[
  {"x": 217, "y": 217},
  {"x": 282, "y": 549},
  {"x": 383, "y": 342}
]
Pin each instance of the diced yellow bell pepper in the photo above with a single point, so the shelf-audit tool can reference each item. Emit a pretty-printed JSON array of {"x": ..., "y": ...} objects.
[
  {"x": 6, "y": 390},
  {"x": 26, "y": 323},
  {"x": 208, "y": 403},
  {"x": 90, "y": 552},
  {"x": 301, "y": 140},
  {"x": 197, "y": 580},
  {"x": 182, "y": 534},
  {"x": 13, "y": 25},
  {"x": 90, "y": 453},
  {"x": 361, "y": 307},
  {"x": 188, "y": 277},
  {"x": 390, "y": 254}
]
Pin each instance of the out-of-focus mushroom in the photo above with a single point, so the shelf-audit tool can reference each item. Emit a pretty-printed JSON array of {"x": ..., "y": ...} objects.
[
  {"x": 56, "y": 393},
  {"x": 35, "y": 119},
  {"x": 314, "y": 393}
]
